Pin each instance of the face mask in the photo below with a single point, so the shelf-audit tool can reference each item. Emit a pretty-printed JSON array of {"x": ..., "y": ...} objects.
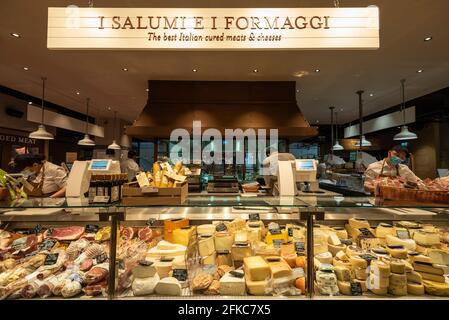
[{"x": 395, "y": 160}]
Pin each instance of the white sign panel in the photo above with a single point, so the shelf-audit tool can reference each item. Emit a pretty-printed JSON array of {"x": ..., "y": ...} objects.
[{"x": 213, "y": 28}]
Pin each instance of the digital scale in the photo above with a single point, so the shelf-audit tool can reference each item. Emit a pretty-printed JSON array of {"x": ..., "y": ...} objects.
[{"x": 291, "y": 173}]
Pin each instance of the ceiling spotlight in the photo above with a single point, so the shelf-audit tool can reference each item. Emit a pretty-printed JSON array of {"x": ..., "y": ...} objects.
[
  {"x": 194, "y": 70},
  {"x": 109, "y": 108},
  {"x": 147, "y": 90},
  {"x": 29, "y": 102},
  {"x": 15, "y": 35},
  {"x": 317, "y": 70},
  {"x": 371, "y": 94},
  {"x": 25, "y": 68},
  {"x": 318, "y": 121},
  {"x": 341, "y": 110},
  {"x": 77, "y": 93},
  {"x": 428, "y": 38},
  {"x": 125, "y": 69},
  {"x": 420, "y": 71},
  {"x": 297, "y": 90},
  {"x": 255, "y": 70}
]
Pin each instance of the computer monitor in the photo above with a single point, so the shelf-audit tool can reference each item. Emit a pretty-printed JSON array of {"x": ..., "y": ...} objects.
[
  {"x": 100, "y": 165},
  {"x": 305, "y": 170}
]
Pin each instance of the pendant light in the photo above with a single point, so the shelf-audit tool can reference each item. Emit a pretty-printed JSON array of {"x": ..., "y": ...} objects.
[
  {"x": 114, "y": 145},
  {"x": 362, "y": 140},
  {"x": 41, "y": 133},
  {"x": 404, "y": 134},
  {"x": 337, "y": 146},
  {"x": 87, "y": 141}
]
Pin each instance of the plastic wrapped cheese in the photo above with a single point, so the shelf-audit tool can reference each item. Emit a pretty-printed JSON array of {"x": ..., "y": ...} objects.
[{"x": 168, "y": 286}]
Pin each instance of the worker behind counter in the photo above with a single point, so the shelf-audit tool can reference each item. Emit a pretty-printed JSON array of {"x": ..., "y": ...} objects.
[
  {"x": 130, "y": 166},
  {"x": 44, "y": 179},
  {"x": 392, "y": 166}
]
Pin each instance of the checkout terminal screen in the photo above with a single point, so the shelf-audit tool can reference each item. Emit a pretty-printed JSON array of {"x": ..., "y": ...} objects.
[
  {"x": 305, "y": 165},
  {"x": 99, "y": 165}
]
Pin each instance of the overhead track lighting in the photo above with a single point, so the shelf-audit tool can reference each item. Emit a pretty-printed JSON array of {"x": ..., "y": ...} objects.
[
  {"x": 87, "y": 141},
  {"x": 405, "y": 134}
]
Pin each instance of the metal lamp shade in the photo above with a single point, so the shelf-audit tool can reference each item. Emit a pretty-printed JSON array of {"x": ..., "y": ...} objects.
[
  {"x": 114, "y": 146},
  {"x": 365, "y": 143},
  {"x": 405, "y": 134},
  {"x": 87, "y": 141},
  {"x": 337, "y": 146},
  {"x": 41, "y": 133}
]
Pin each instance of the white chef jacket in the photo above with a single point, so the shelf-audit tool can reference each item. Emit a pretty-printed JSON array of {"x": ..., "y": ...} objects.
[
  {"x": 55, "y": 178},
  {"x": 375, "y": 169},
  {"x": 130, "y": 167},
  {"x": 273, "y": 161}
]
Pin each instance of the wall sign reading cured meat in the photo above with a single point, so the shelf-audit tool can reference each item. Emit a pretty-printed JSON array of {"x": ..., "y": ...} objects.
[{"x": 213, "y": 28}]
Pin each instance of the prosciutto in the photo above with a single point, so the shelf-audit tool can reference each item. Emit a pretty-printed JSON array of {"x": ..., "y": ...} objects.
[{"x": 65, "y": 234}]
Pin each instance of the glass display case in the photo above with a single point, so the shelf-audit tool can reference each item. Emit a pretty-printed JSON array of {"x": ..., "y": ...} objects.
[{"x": 216, "y": 247}]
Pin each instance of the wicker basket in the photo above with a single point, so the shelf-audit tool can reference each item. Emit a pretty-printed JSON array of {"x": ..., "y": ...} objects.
[{"x": 404, "y": 194}]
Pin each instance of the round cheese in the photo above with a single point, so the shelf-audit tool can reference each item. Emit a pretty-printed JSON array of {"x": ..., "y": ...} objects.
[
  {"x": 426, "y": 238},
  {"x": 353, "y": 250},
  {"x": 384, "y": 229},
  {"x": 342, "y": 273},
  {"x": 397, "y": 290},
  {"x": 414, "y": 277},
  {"x": 408, "y": 244},
  {"x": 397, "y": 252},
  {"x": 325, "y": 257},
  {"x": 341, "y": 263},
  {"x": 397, "y": 266},
  {"x": 341, "y": 232},
  {"x": 382, "y": 291},
  {"x": 416, "y": 289},
  {"x": 144, "y": 286},
  {"x": 398, "y": 279},
  {"x": 290, "y": 259},
  {"x": 357, "y": 262},
  {"x": 380, "y": 269},
  {"x": 301, "y": 262},
  {"x": 344, "y": 287}
]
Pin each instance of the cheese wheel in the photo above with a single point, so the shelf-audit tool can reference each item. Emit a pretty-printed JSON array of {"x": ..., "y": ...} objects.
[
  {"x": 419, "y": 258},
  {"x": 397, "y": 290},
  {"x": 344, "y": 287},
  {"x": 435, "y": 288},
  {"x": 408, "y": 244},
  {"x": 362, "y": 284},
  {"x": 384, "y": 229},
  {"x": 300, "y": 283},
  {"x": 380, "y": 269},
  {"x": 397, "y": 279},
  {"x": 360, "y": 273},
  {"x": 397, "y": 252},
  {"x": 341, "y": 263},
  {"x": 301, "y": 262},
  {"x": 397, "y": 266},
  {"x": 416, "y": 289},
  {"x": 290, "y": 259},
  {"x": 144, "y": 286},
  {"x": 325, "y": 257},
  {"x": 341, "y": 232},
  {"x": 439, "y": 256},
  {"x": 357, "y": 262},
  {"x": 414, "y": 277},
  {"x": 342, "y": 256},
  {"x": 358, "y": 223},
  {"x": 334, "y": 249},
  {"x": 320, "y": 248},
  {"x": 382, "y": 291},
  {"x": 353, "y": 250},
  {"x": 342, "y": 273},
  {"x": 426, "y": 238}
]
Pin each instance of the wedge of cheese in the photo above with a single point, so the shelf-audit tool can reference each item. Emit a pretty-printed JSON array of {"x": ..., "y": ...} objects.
[{"x": 256, "y": 268}]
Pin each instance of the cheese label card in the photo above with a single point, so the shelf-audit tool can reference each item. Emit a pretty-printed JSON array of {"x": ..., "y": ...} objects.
[
  {"x": 151, "y": 222},
  {"x": 277, "y": 243},
  {"x": 90, "y": 228},
  {"x": 365, "y": 232},
  {"x": 275, "y": 231},
  {"x": 166, "y": 259},
  {"x": 180, "y": 274},
  {"x": 102, "y": 258},
  {"x": 403, "y": 234},
  {"x": 101, "y": 199},
  {"x": 149, "y": 189},
  {"x": 346, "y": 242},
  {"x": 37, "y": 229},
  {"x": 47, "y": 244},
  {"x": 221, "y": 227},
  {"x": 254, "y": 217},
  {"x": 237, "y": 274},
  {"x": 299, "y": 247},
  {"x": 51, "y": 259},
  {"x": 356, "y": 289},
  {"x": 368, "y": 257}
]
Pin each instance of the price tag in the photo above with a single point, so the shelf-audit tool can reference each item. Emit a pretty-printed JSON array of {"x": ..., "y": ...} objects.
[
  {"x": 180, "y": 274},
  {"x": 166, "y": 259},
  {"x": 346, "y": 242},
  {"x": 90, "y": 228},
  {"x": 365, "y": 232},
  {"x": 37, "y": 229},
  {"x": 51, "y": 259},
  {"x": 368, "y": 257},
  {"x": 237, "y": 274},
  {"x": 254, "y": 217},
  {"x": 102, "y": 258},
  {"x": 299, "y": 247},
  {"x": 356, "y": 289},
  {"x": 221, "y": 227},
  {"x": 403, "y": 234},
  {"x": 149, "y": 189},
  {"x": 277, "y": 243},
  {"x": 275, "y": 231},
  {"x": 101, "y": 199},
  {"x": 290, "y": 232},
  {"x": 47, "y": 244},
  {"x": 151, "y": 222}
]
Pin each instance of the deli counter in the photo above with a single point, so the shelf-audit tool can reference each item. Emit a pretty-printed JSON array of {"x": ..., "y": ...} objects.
[{"x": 218, "y": 247}]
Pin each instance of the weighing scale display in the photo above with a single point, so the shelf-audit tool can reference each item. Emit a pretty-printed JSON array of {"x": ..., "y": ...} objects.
[
  {"x": 100, "y": 165},
  {"x": 305, "y": 165}
]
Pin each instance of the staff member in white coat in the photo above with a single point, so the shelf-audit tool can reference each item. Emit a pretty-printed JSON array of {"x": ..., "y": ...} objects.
[
  {"x": 391, "y": 166},
  {"x": 43, "y": 178},
  {"x": 130, "y": 166}
]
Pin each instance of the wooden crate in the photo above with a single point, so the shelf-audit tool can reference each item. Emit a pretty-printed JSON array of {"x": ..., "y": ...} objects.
[{"x": 164, "y": 196}]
